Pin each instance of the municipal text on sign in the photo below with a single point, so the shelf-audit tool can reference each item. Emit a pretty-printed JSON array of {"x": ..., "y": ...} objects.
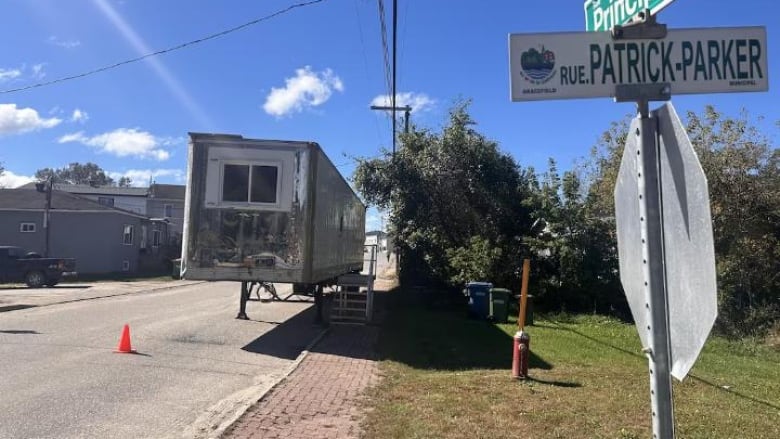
[
  {"x": 603, "y": 15},
  {"x": 590, "y": 64}
]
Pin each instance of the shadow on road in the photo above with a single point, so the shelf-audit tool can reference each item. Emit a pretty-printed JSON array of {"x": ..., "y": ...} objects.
[
  {"x": 18, "y": 331},
  {"x": 15, "y": 307},
  {"x": 287, "y": 339}
]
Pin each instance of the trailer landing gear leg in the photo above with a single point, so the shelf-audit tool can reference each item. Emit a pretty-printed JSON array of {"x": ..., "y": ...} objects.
[
  {"x": 318, "y": 304},
  {"x": 244, "y": 297}
]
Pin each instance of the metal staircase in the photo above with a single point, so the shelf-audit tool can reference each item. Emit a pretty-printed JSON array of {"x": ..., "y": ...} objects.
[{"x": 353, "y": 300}]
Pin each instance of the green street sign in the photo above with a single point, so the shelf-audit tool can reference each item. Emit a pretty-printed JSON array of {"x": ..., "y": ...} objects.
[{"x": 603, "y": 15}]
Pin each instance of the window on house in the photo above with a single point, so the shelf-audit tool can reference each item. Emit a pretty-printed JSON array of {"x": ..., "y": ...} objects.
[
  {"x": 169, "y": 210},
  {"x": 156, "y": 238},
  {"x": 127, "y": 238},
  {"x": 143, "y": 237},
  {"x": 106, "y": 201},
  {"x": 250, "y": 184},
  {"x": 27, "y": 227},
  {"x": 125, "y": 265}
]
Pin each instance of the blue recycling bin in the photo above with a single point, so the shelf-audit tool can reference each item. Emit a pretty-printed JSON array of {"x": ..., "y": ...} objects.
[{"x": 479, "y": 299}]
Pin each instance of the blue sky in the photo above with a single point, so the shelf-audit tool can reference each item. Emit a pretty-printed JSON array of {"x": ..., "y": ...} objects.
[{"x": 310, "y": 74}]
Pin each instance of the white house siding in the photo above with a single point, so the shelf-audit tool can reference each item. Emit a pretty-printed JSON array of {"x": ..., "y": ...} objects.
[
  {"x": 125, "y": 202},
  {"x": 156, "y": 209}
]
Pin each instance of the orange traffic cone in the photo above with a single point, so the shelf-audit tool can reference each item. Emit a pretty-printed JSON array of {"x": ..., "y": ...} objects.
[{"x": 124, "y": 342}]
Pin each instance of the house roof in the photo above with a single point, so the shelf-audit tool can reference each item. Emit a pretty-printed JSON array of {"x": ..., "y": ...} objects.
[
  {"x": 95, "y": 190},
  {"x": 167, "y": 191},
  {"x": 25, "y": 199}
]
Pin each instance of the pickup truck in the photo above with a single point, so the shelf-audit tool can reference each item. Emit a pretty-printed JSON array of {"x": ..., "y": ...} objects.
[{"x": 16, "y": 265}]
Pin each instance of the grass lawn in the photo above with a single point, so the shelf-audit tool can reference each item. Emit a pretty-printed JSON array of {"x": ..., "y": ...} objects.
[{"x": 449, "y": 377}]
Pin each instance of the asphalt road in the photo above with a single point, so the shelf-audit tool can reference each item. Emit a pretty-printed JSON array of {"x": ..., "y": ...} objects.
[{"x": 60, "y": 377}]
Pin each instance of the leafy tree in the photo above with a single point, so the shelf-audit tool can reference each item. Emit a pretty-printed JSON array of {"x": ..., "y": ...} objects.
[
  {"x": 124, "y": 182},
  {"x": 77, "y": 173},
  {"x": 574, "y": 248},
  {"x": 456, "y": 204},
  {"x": 743, "y": 173}
]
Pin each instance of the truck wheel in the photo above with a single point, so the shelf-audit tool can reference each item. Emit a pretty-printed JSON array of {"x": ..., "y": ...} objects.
[{"x": 35, "y": 279}]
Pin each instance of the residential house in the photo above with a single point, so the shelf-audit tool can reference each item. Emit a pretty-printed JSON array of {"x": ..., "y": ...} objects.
[
  {"x": 163, "y": 202},
  {"x": 167, "y": 201},
  {"x": 132, "y": 199},
  {"x": 102, "y": 239}
]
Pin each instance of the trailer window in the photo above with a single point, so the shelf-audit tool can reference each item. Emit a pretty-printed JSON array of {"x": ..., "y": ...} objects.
[
  {"x": 235, "y": 183},
  {"x": 250, "y": 183},
  {"x": 264, "y": 179}
]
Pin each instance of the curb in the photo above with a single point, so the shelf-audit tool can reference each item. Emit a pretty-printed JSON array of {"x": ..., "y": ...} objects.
[{"x": 222, "y": 415}]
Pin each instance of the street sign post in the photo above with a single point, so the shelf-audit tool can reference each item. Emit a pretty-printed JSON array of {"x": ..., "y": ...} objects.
[
  {"x": 603, "y": 15},
  {"x": 572, "y": 65}
]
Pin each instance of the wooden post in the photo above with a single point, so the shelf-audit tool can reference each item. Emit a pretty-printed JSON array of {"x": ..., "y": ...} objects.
[{"x": 524, "y": 294}]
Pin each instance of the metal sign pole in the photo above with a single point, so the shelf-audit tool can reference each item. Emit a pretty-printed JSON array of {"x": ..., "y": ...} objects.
[{"x": 653, "y": 270}]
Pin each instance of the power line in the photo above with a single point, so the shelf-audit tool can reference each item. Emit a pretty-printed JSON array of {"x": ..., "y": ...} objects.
[
  {"x": 402, "y": 45},
  {"x": 385, "y": 52},
  {"x": 353, "y": 160},
  {"x": 163, "y": 51},
  {"x": 365, "y": 63}
]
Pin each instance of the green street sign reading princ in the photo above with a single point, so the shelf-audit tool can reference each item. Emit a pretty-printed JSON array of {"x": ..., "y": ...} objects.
[{"x": 603, "y": 15}]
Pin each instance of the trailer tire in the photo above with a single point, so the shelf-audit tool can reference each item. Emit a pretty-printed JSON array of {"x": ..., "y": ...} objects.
[{"x": 34, "y": 279}]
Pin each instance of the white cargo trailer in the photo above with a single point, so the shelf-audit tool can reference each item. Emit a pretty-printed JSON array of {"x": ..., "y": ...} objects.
[{"x": 268, "y": 210}]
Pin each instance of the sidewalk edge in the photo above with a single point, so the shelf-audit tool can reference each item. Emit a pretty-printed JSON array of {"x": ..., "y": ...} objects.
[{"x": 226, "y": 412}]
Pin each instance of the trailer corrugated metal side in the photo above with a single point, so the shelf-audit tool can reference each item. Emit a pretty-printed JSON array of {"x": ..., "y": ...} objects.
[
  {"x": 338, "y": 222},
  {"x": 298, "y": 221}
]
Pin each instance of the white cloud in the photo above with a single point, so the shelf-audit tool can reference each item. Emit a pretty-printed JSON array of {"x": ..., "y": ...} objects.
[
  {"x": 141, "y": 177},
  {"x": 9, "y": 74},
  {"x": 79, "y": 116},
  {"x": 418, "y": 101},
  {"x": 123, "y": 142},
  {"x": 10, "y": 180},
  {"x": 15, "y": 120},
  {"x": 65, "y": 44},
  {"x": 37, "y": 71},
  {"x": 306, "y": 89}
]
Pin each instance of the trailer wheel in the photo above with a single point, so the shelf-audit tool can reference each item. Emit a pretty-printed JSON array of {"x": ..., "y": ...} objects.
[{"x": 35, "y": 279}]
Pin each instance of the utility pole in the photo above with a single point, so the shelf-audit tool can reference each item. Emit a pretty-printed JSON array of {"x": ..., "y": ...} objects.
[
  {"x": 406, "y": 109},
  {"x": 46, "y": 187},
  {"x": 395, "y": 40}
]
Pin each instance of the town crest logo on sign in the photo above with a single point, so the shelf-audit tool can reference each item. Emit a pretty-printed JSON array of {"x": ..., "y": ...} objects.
[{"x": 537, "y": 66}]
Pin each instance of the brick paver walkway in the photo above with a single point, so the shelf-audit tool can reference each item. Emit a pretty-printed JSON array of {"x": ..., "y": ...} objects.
[{"x": 322, "y": 397}]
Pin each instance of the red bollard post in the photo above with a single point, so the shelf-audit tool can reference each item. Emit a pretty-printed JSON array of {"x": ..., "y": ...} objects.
[{"x": 520, "y": 355}]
